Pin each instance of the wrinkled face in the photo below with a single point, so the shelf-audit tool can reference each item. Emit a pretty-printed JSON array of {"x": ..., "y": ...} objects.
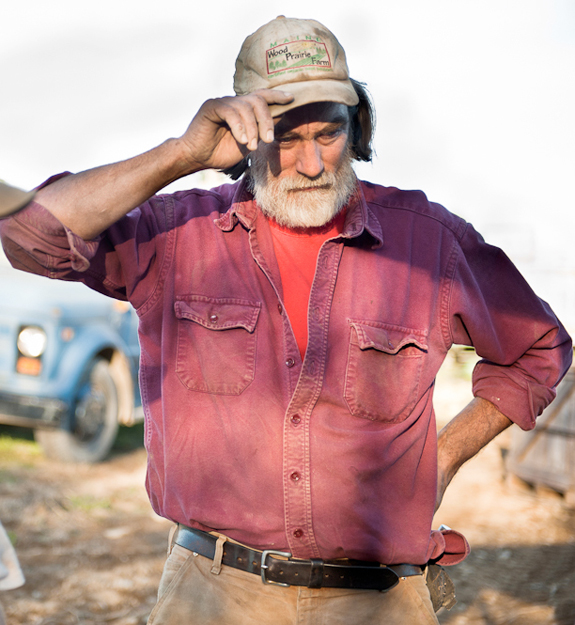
[{"x": 305, "y": 177}]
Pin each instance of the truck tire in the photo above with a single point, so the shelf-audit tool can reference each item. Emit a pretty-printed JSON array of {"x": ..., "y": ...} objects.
[{"x": 94, "y": 422}]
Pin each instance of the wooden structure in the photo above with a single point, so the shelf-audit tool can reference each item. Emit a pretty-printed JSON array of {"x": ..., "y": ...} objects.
[{"x": 546, "y": 455}]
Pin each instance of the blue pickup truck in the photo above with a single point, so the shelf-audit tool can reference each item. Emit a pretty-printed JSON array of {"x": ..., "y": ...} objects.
[{"x": 68, "y": 364}]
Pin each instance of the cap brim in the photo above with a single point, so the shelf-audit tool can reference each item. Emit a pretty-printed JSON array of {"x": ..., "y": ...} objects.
[
  {"x": 309, "y": 91},
  {"x": 12, "y": 199}
]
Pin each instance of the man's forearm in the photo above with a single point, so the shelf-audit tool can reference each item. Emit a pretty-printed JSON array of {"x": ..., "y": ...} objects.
[
  {"x": 220, "y": 135},
  {"x": 91, "y": 201},
  {"x": 464, "y": 436}
]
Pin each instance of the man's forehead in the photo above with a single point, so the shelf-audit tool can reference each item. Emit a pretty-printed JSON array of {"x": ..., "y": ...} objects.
[{"x": 323, "y": 112}]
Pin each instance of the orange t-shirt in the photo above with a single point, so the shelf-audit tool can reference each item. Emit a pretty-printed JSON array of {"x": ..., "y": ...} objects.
[{"x": 296, "y": 253}]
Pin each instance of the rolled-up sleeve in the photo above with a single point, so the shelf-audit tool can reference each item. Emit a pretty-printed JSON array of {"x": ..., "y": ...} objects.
[
  {"x": 37, "y": 242},
  {"x": 524, "y": 349},
  {"x": 116, "y": 263}
]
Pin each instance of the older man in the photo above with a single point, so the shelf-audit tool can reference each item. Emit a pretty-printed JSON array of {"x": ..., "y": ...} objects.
[
  {"x": 291, "y": 328},
  {"x": 12, "y": 200}
]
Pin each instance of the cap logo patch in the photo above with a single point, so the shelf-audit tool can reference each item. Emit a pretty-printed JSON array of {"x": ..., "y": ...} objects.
[{"x": 297, "y": 55}]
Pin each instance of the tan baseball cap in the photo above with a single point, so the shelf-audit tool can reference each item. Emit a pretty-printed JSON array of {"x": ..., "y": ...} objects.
[
  {"x": 299, "y": 56},
  {"x": 13, "y": 199}
]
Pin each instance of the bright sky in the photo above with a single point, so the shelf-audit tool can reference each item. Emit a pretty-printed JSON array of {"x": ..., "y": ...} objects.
[{"x": 475, "y": 99}]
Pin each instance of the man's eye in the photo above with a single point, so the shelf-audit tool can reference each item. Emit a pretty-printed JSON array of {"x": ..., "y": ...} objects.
[{"x": 331, "y": 135}]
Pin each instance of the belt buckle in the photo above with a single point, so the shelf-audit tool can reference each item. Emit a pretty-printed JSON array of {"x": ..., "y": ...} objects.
[{"x": 264, "y": 566}]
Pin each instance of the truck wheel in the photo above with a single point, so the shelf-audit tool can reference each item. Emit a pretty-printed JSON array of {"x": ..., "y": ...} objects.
[{"x": 94, "y": 423}]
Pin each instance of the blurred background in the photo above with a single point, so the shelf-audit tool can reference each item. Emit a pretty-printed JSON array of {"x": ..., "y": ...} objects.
[{"x": 475, "y": 100}]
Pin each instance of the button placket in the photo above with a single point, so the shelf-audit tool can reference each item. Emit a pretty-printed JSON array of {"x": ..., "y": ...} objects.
[{"x": 297, "y": 487}]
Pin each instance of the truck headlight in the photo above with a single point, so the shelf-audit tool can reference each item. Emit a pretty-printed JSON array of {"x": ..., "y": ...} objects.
[{"x": 32, "y": 341}]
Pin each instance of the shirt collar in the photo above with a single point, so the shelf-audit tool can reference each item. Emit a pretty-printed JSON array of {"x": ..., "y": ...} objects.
[
  {"x": 243, "y": 208},
  {"x": 359, "y": 218}
]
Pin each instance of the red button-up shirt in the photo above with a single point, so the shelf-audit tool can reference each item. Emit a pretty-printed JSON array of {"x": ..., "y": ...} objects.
[{"x": 336, "y": 455}]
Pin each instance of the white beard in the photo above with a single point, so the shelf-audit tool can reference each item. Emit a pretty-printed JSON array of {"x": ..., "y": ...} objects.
[{"x": 283, "y": 201}]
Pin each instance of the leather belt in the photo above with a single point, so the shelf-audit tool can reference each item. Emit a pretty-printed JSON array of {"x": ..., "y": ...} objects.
[{"x": 277, "y": 567}]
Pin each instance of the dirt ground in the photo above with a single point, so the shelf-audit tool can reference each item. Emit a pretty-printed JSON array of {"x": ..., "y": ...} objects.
[{"x": 92, "y": 551}]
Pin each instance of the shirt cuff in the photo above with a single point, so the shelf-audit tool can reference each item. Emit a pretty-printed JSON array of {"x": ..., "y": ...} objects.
[
  {"x": 48, "y": 242},
  {"x": 447, "y": 547},
  {"x": 518, "y": 399}
]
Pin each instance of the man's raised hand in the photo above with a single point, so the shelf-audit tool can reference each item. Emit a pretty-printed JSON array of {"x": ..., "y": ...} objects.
[{"x": 224, "y": 130}]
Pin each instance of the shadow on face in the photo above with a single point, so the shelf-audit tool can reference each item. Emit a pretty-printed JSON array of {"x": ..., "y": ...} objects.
[
  {"x": 310, "y": 122},
  {"x": 326, "y": 112}
]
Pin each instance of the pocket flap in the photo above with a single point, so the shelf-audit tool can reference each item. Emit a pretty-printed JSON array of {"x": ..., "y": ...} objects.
[
  {"x": 218, "y": 313},
  {"x": 386, "y": 337}
]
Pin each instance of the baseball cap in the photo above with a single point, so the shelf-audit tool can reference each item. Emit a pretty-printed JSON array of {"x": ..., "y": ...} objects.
[
  {"x": 13, "y": 199},
  {"x": 299, "y": 56}
]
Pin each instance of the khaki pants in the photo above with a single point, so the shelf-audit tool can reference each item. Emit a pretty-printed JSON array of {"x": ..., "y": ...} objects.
[{"x": 198, "y": 591}]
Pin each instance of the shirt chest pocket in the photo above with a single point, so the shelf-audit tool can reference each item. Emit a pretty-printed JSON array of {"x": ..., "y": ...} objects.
[
  {"x": 383, "y": 370},
  {"x": 216, "y": 348}
]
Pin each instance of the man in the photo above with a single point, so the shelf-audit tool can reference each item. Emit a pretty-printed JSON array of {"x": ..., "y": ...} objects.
[
  {"x": 12, "y": 200},
  {"x": 291, "y": 328}
]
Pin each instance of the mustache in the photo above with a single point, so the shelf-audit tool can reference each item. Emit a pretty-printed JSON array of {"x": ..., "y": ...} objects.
[{"x": 325, "y": 182}]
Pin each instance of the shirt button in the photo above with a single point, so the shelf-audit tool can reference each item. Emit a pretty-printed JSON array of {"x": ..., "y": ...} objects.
[
  {"x": 298, "y": 533},
  {"x": 213, "y": 318},
  {"x": 280, "y": 309},
  {"x": 290, "y": 362},
  {"x": 295, "y": 476},
  {"x": 296, "y": 419}
]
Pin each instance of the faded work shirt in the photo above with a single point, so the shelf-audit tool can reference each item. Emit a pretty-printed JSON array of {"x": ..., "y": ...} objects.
[{"x": 336, "y": 455}]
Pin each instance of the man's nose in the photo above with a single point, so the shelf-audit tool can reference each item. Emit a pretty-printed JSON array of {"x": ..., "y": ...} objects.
[{"x": 309, "y": 160}]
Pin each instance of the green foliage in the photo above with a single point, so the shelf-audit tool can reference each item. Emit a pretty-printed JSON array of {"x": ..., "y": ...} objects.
[
  {"x": 15, "y": 449},
  {"x": 88, "y": 503}
]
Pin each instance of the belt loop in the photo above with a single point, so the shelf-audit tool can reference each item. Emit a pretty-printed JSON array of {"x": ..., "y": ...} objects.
[
  {"x": 217, "y": 565},
  {"x": 316, "y": 573},
  {"x": 171, "y": 536}
]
